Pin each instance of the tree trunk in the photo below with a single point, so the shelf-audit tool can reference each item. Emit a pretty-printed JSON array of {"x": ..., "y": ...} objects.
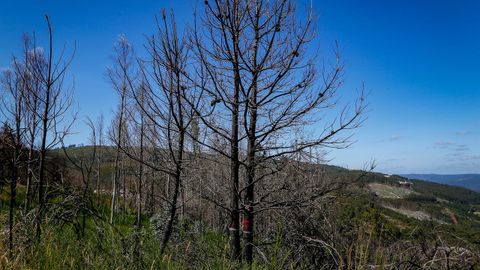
[
  {"x": 173, "y": 211},
  {"x": 251, "y": 152},
  {"x": 151, "y": 200},
  {"x": 176, "y": 191},
  {"x": 234, "y": 176},
  {"x": 41, "y": 174},
  {"x": 140, "y": 176},
  {"x": 98, "y": 180},
  {"x": 114, "y": 189},
  {"x": 124, "y": 185},
  {"x": 29, "y": 175},
  {"x": 179, "y": 159},
  {"x": 250, "y": 181},
  {"x": 13, "y": 189},
  {"x": 117, "y": 156},
  {"x": 85, "y": 194},
  {"x": 234, "y": 163}
]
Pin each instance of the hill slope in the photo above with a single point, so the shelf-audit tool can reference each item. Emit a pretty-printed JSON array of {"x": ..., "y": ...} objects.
[
  {"x": 373, "y": 217},
  {"x": 470, "y": 181}
]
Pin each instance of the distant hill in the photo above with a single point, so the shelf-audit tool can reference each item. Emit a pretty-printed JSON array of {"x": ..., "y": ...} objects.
[
  {"x": 373, "y": 197},
  {"x": 470, "y": 181},
  {"x": 398, "y": 218}
]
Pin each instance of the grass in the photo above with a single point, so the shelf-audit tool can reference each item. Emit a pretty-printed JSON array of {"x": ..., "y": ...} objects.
[
  {"x": 104, "y": 246},
  {"x": 197, "y": 246},
  {"x": 120, "y": 247}
]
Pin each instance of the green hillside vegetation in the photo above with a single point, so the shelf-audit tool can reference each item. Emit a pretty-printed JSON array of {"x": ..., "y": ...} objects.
[
  {"x": 366, "y": 224},
  {"x": 216, "y": 153},
  {"x": 424, "y": 197},
  {"x": 470, "y": 181}
]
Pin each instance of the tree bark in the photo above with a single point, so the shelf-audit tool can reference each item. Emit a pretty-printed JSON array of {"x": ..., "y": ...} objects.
[{"x": 178, "y": 163}]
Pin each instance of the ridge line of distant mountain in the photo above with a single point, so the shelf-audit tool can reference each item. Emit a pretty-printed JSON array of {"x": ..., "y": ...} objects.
[{"x": 470, "y": 180}]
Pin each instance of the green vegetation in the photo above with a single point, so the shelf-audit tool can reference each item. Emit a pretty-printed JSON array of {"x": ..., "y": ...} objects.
[
  {"x": 370, "y": 232},
  {"x": 366, "y": 233},
  {"x": 449, "y": 193},
  {"x": 104, "y": 246}
]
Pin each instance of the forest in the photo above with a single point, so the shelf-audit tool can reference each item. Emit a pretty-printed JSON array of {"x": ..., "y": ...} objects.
[{"x": 216, "y": 158}]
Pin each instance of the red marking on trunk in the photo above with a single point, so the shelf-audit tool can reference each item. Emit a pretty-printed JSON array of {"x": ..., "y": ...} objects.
[{"x": 246, "y": 225}]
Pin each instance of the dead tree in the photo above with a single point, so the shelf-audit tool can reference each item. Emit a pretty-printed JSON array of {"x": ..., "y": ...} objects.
[
  {"x": 118, "y": 77},
  {"x": 31, "y": 97},
  {"x": 141, "y": 98},
  {"x": 22, "y": 91},
  {"x": 55, "y": 102},
  {"x": 221, "y": 80},
  {"x": 163, "y": 104},
  {"x": 85, "y": 165},
  {"x": 100, "y": 141},
  {"x": 169, "y": 85},
  {"x": 41, "y": 102},
  {"x": 261, "y": 69},
  {"x": 13, "y": 96},
  {"x": 135, "y": 144},
  {"x": 166, "y": 91}
]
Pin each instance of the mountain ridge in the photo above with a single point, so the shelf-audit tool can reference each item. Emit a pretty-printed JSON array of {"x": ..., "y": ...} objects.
[{"x": 468, "y": 180}]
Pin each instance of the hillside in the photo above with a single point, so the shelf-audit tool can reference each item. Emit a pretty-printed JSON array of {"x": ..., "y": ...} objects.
[
  {"x": 422, "y": 194},
  {"x": 369, "y": 221},
  {"x": 425, "y": 201},
  {"x": 470, "y": 181}
]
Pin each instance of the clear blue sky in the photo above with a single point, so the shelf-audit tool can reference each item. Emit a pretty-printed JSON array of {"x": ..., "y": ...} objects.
[{"x": 420, "y": 61}]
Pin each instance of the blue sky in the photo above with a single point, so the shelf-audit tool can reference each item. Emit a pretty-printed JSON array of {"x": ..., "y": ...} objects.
[{"x": 420, "y": 61}]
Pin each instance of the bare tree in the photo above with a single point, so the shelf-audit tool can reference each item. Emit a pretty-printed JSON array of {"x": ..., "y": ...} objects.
[
  {"x": 118, "y": 76},
  {"x": 260, "y": 69},
  {"x": 22, "y": 91},
  {"x": 169, "y": 61},
  {"x": 220, "y": 76},
  {"x": 34, "y": 88},
  {"x": 100, "y": 141},
  {"x": 13, "y": 87},
  {"x": 54, "y": 104},
  {"x": 135, "y": 143},
  {"x": 164, "y": 101},
  {"x": 85, "y": 165},
  {"x": 142, "y": 127}
]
